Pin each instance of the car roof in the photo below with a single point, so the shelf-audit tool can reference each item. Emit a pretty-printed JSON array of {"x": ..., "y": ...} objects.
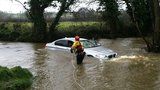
[{"x": 71, "y": 38}]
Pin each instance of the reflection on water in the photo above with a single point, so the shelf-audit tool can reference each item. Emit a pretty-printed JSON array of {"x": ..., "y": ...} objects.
[{"x": 133, "y": 69}]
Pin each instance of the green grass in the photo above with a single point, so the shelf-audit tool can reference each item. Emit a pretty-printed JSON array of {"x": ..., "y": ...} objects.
[
  {"x": 10, "y": 25},
  {"x": 76, "y": 24},
  {"x": 16, "y": 78}
]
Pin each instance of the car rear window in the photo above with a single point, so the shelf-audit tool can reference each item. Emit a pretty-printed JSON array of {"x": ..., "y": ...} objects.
[
  {"x": 65, "y": 43},
  {"x": 61, "y": 43}
]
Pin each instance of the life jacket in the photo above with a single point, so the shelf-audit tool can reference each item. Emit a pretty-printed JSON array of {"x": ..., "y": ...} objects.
[{"x": 78, "y": 46}]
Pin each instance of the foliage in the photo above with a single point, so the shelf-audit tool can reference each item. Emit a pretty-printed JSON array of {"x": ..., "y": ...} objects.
[
  {"x": 156, "y": 35},
  {"x": 66, "y": 25},
  {"x": 15, "y": 32},
  {"x": 83, "y": 29},
  {"x": 15, "y": 78},
  {"x": 23, "y": 31},
  {"x": 142, "y": 15},
  {"x": 85, "y": 14},
  {"x": 110, "y": 14},
  {"x": 36, "y": 14},
  {"x": 141, "y": 9},
  {"x": 91, "y": 30},
  {"x": 145, "y": 15},
  {"x": 128, "y": 28},
  {"x": 110, "y": 8}
]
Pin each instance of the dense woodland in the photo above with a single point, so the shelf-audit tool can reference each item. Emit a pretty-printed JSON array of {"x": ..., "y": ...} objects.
[{"x": 141, "y": 18}]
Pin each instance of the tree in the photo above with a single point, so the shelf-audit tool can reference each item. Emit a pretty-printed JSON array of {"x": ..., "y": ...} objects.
[
  {"x": 138, "y": 11},
  {"x": 85, "y": 14},
  {"x": 110, "y": 14},
  {"x": 156, "y": 35},
  {"x": 36, "y": 15},
  {"x": 64, "y": 6},
  {"x": 146, "y": 15}
]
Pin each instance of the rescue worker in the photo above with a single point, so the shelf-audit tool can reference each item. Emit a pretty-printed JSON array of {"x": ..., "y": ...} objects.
[{"x": 78, "y": 49}]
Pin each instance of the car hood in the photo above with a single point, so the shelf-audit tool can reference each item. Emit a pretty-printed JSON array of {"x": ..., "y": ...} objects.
[{"x": 99, "y": 52}]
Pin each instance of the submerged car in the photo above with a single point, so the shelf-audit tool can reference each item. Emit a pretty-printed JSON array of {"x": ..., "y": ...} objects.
[{"x": 91, "y": 47}]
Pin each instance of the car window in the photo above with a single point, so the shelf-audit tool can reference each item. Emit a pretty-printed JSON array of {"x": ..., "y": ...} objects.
[
  {"x": 70, "y": 43},
  {"x": 65, "y": 43},
  {"x": 88, "y": 44},
  {"x": 61, "y": 43}
]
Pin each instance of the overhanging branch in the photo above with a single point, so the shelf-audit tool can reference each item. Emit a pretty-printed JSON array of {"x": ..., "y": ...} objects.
[{"x": 24, "y": 6}]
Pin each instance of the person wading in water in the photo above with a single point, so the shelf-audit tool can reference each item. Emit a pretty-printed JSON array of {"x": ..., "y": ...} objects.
[{"x": 78, "y": 49}]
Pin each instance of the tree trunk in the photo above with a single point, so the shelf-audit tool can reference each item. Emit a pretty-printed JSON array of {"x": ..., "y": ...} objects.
[
  {"x": 56, "y": 20},
  {"x": 40, "y": 26},
  {"x": 64, "y": 6},
  {"x": 52, "y": 34},
  {"x": 156, "y": 43}
]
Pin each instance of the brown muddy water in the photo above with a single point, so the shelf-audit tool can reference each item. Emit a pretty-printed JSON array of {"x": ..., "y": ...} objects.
[{"x": 132, "y": 69}]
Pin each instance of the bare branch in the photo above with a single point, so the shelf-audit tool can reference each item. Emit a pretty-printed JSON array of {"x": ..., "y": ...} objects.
[
  {"x": 23, "y": 4},
  {"x": 53, "y": 5},
  {"x": 92, "y": 1},
  {"x": 71, "y": 2}
]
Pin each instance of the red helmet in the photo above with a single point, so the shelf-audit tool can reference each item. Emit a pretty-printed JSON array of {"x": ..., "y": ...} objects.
[{"x": 76, "y": 38}]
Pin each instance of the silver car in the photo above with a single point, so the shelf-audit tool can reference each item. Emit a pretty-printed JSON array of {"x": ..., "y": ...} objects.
[{"x": 92, "y": 48}]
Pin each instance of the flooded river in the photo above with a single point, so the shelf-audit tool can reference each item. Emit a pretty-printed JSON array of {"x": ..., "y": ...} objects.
[{"x": 132, "y": 69}]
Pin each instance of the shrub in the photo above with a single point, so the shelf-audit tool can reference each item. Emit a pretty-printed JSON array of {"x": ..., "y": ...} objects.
[
  {"x": 13, "y": 31},
  {"x": 16, "y": 78}
]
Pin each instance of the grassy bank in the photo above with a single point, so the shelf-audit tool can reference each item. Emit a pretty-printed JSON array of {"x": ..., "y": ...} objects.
[
  {"x": 15, "y": 78},
  {"x": 12, "y": 31}
]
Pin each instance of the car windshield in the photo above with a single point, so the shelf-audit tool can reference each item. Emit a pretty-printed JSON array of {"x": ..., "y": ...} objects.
[{"x": 88, "y": 43}]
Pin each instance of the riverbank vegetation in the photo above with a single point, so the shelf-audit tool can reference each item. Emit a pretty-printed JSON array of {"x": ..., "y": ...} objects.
[
  {"x": 16, "y": 78},
  {"x": 22, "y": 31}
]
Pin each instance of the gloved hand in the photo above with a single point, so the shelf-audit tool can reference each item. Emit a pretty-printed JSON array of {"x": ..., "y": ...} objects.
[{"x": 71, "y": 50}]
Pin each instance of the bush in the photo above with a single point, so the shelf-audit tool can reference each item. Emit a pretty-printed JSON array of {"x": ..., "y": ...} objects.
[
  {"x": 24, "y": 31},
  {"x": 16, "y": 32},
  {"x": 83, "y": 29},
  {"x": 15, "y": 78}
]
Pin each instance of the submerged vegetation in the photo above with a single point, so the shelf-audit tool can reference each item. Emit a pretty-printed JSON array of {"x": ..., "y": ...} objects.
[{"x": 15, "y": 78}]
